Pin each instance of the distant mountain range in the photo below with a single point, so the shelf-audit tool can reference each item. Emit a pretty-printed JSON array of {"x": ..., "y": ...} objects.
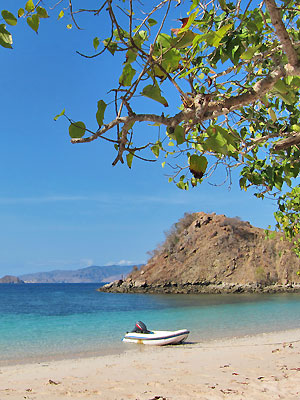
[
  {"x": 10, "y": 279},
  {"x": 84, "y": 275}
]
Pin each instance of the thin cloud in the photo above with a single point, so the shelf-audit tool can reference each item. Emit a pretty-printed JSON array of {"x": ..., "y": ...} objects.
[
  {"x": 94, "y": 198},
  {"x": 41, "y": 199},
  {"x": 169, "y": 199},
  {"x": 62, "y": 264},
  {"x": 120, "y": 263},
  {"x": 86, "y": 262}
]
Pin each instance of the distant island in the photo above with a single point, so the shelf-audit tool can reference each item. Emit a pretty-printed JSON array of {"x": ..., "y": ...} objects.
[
  {"x": 209, "y": 253},
  {"x": 11, "y": 279},
  {"x": 92, "y": 274}
]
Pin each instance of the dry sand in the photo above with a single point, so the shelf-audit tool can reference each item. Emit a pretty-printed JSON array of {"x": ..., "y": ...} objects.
[{"x": 260, "y": 367}]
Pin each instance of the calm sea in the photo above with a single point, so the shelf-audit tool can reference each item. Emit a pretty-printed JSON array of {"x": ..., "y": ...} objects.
[{"x": 41, "y": 321}]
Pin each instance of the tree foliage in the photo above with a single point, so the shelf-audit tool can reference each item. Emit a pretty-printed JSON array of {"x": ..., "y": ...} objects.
[{"x": 232, "y": 70}]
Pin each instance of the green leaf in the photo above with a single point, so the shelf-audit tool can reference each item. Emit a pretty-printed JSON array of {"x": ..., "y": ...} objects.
[
  {"x": 100, "y": 112},
  {"x": 121, "y": 34},
  {"x": 131, "y": 55},
  {"x": 218, "y": 35},
  {"x": 59, "y": 115},
  {"x": 278, "y": 184},
  {"x": 111, "y": 46},
  {"x": 21, "y": 12},
  {"x": 281, "y": 87},
  {"x": 206, "y": 37},
  {"x": 223, "y": 5},
  {"x": 179, "y": 134},
  {"x": 152, "y": 21},
  {"x": 235, "y": 53},
  {"x": 242, "y": 182},
  {"x": 77, "y": 130},
  {"x": 33, "y": 22},
  {"x": 170, "y": 61},
  {"x": 217, "y": 144},
  {"x": 265, "y": 100},
  {"x": 96, "y": 43},
  {"x": 198, "y": 165},
  {"x": 29, "y": 6},
  {"x": 181, "y": 185},
  {"x": 295, "y": 81},
  {"x": 249, "y": 53},
  {"x": 5, "y": 37},
  {"x": 295, "y": 128},
  {"x": 139, "y": 38},
  {"x": 154, "y": 93},
  {"x": 127, "y": 75},
  {"x": 9, "y": 18},
  {"x": 41, "y": 12},
  {"x": 272, "y": 114},
  {"x": 184, "y": 39},
  {"x": 189, "y": 71},
  {"x": 288, "y": 98},
  {"x": 220, "y": 141},
  {"x": 155, "y": 150},
  {"x": 189, "y": 23},
  {"x": 69, "y": 26},
  {"x": 164, "y": 40},
  {"x": 170, "y": 132},
  {"x": 129, "y": 158},
  {"x": 61, "y": 14}
]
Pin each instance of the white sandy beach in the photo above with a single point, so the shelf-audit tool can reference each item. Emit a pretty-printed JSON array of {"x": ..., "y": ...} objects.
[{"x": 260, "y": 367}]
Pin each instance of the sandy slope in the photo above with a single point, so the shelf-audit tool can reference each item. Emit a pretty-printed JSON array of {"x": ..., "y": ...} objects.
[{"x": 260, "y": 367}]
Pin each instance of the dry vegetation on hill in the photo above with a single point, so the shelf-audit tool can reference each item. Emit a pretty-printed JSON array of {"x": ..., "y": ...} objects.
[{"x": 213, "y": 253}]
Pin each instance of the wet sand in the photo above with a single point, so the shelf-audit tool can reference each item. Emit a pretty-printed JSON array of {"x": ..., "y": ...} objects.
[{"x": 265, "y": 366}]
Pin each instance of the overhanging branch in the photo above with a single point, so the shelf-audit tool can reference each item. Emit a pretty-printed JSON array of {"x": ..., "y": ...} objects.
[
  {"x": 189, "y": 115},
  {"x": 215, "y": 109},
  {"x": 292, "y": 140},
  {"x": 281, "y": 32}
]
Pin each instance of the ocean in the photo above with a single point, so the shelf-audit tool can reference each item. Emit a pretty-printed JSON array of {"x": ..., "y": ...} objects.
[{"x": 46, "y": 321}]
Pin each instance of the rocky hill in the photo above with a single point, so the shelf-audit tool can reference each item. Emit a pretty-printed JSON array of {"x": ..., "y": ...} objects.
[
  {"x": 82, "y": 275},
  {"x": 10, "y": 279},
  {"x": 214, "y": 254}
]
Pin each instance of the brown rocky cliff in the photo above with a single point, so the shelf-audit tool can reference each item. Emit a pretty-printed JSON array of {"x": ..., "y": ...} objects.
[{"x": 214, "y": 250}]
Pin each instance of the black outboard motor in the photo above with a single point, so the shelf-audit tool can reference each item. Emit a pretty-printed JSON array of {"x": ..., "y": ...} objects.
[{"x": 140, "y": 327}]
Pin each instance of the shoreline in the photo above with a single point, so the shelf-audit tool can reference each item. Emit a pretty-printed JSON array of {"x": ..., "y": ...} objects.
[
  {"x": 130, "y": 348},
  {"x": 46, "y": 358},
  {"x": 264, "y": 366},
  {"x": 205, "y": 287},
  {"x": 120, "y": 348}
]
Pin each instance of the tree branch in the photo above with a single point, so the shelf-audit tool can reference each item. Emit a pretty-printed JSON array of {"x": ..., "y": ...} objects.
[
  {"x": 212, "y": 110},
  {"x": 259, "y": 89},
  {"x": 72, "y": 16},
  {"x": 292, "y": 140},
  {"x": 160, "y": 119},
  {"x": 281, "y": 32}
]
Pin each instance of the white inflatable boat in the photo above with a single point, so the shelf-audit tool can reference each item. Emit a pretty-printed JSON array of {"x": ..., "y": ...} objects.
[{"x": 141, "y": 335}]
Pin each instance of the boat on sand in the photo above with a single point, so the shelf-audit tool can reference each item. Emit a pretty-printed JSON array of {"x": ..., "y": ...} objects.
[{"x": 141, "y": 335}]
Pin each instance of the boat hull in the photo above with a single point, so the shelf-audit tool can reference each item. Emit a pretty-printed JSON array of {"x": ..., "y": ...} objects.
[{"x": 157, "y": 338}]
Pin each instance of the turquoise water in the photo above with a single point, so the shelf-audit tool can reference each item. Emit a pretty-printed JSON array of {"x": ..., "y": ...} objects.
[{"x": 38, "y": 321}]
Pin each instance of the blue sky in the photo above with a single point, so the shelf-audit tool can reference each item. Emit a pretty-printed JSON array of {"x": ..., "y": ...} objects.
[{"x": 63, "y": 205}]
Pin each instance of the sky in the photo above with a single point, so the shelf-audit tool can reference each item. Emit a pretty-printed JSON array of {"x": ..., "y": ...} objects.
[{"x": 63, "y": 205}]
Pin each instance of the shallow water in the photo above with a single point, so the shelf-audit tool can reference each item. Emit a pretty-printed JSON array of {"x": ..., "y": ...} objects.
[{"x": 46, "y": 320}]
